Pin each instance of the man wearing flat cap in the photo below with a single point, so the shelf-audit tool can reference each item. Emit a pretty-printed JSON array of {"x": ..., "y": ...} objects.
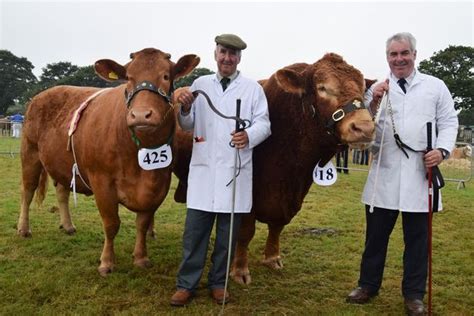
[{"x": 209, "y": 195}]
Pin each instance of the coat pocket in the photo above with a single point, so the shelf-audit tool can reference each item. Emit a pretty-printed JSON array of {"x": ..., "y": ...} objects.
[{"x": 200, "y": 155}]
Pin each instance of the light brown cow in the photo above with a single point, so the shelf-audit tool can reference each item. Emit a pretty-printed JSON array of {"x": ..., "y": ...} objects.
[
  {"x": 114, "y": 126},
  {"x": 314, "y": 110}
]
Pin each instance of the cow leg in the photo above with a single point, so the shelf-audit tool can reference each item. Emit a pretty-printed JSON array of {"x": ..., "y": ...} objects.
[
  {"x": 108, "y": 208},
  {"x": 31, "y": 171},
  {"x": 240, "y": 266},
  {"x": 272, "y": 247},
  {"x": 62, "y": 194},
  {"x": 151, "y": 228},
  {"x": 143, "y": 222}
]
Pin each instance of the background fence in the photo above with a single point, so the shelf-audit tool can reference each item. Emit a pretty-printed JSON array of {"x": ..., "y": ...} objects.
[{"x": 458, "y": 170}]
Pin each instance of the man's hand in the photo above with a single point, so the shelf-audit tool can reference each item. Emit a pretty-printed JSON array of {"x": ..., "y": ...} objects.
[
  {"x": 184, "y": 97},
  {"x": 433, "y": 158},
  {"x": 377, "y": 95},
  {"x": 240, "y": 139}
]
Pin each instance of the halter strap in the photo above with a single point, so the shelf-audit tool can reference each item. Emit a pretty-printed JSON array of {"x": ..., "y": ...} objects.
[
  {"x": 340, "y": 113},
  {"x": 146, "y": 85}
]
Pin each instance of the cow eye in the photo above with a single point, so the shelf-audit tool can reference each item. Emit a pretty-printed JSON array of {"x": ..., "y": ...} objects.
[
  {"x": 321, "y": 88},
  {"x": 166, "y": 77}
]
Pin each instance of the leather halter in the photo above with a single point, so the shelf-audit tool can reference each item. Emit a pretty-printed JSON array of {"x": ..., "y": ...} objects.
[
  {"x": 146, "y": 85},
  {"x": 340, "y": 113}
]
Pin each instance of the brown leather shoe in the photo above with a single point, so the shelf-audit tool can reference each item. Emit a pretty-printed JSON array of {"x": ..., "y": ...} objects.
[
  {"x": 220, "y": 296},
  {"x": 181, "y": 297},
  {"x": 360, "y": 295},
  {"x": 414, "y": 307}
]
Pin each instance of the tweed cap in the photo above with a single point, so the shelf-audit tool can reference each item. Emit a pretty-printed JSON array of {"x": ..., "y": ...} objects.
[{"x": 231, "y": 41}]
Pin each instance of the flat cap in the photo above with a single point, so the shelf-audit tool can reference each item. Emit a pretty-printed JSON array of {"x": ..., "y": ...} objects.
[{"x": 231, "y": 41}]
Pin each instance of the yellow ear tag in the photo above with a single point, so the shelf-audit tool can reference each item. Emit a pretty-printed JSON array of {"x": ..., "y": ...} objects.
[{"x": 113, "y": 75}]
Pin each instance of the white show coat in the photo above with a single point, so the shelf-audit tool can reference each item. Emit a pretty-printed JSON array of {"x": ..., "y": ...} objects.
[
  {"x": 402, "y": 183},
  {"x": 212, "y": 162}
]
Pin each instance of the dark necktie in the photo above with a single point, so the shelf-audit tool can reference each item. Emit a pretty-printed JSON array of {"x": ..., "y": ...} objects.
[
  {"x": 401, "y": 82},
  {"x": 224, "y": 83}
]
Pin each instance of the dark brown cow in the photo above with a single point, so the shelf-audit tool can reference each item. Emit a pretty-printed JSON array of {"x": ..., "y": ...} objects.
[
  {"x": 105, "y": 145},
  {"x": 302, "y": 99}
]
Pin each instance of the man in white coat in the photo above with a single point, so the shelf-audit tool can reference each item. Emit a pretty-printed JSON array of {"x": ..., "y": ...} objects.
[
  {"x": 400, "y": 183},
  {"x": 209, "y": 195}
]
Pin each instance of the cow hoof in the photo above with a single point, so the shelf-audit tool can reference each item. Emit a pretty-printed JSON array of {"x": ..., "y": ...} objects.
[
  {"x": 104, "y": 271},
  {"x": 69, "y": 231},
  {"x": 242, "y": 278},
  {"x": 143, "y": 263},
  {"x": 274, "y": 263},
  {"x": 26, "y": 233}
]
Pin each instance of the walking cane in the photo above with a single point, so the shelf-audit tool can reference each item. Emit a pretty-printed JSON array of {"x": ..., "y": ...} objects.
[
  {"x": 238, "y": 128},
  {"x": 430, "y": 217}
]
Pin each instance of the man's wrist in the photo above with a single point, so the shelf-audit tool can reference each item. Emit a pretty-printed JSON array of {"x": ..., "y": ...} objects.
[{"x": 444, "y": 153}]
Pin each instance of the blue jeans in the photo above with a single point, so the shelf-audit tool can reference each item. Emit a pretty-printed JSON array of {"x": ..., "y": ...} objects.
[{"x": 197, "y": 232}]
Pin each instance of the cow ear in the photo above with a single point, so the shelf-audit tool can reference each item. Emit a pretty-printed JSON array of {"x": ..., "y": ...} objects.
[
  {"x": 185, "y": 65},
  {"x": 290, "y": 81},
  {"x": 109, "y": 70},
  {"x": 368, "y": 83}
]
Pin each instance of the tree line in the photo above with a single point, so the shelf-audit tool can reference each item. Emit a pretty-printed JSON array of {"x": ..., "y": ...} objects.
[{"x": 454, "y": 65}]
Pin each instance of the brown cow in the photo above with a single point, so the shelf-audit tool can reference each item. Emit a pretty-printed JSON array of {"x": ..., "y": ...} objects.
[
  {"x": 105, "y": 144},
  {"x": 305, "y": 101}
]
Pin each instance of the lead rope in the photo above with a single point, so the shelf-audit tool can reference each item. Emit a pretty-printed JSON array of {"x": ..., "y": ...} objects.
[
  {"x": 231, "y": 231},
  {"x": 382, "y": 106},
  {"x": 238, "y": 128},
  {"x": 75, "y": 171}
]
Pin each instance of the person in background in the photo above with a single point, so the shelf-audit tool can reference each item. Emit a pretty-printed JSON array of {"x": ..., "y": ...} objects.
[
  {"x": 402, "y": 187},
  {"x": 17, "y": 124},
  {"x": 209, "y": 195}
]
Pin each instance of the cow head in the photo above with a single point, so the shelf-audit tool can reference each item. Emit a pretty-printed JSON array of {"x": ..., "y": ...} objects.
[
  {"x": 149, "y": 80},
  {"x": 335, "y": 90}
]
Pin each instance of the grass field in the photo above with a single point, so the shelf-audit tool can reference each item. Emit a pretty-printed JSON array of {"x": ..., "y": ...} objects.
[{"x": 56, "y": 274}]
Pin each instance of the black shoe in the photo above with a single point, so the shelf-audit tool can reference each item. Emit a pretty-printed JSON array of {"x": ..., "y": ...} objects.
[
  {"x": 414, "y": 307},
  {"x": 360, "y": 295}
]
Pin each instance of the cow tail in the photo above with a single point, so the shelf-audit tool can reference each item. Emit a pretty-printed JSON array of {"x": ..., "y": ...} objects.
[{"x": 42, "y": 188}]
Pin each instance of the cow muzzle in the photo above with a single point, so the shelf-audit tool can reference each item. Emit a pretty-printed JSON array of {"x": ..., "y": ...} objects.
[{"x": 358, "y": 132}]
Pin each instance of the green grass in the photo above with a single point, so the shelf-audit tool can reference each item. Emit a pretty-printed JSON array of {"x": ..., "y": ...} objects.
[{"x": 55, "y": 274}]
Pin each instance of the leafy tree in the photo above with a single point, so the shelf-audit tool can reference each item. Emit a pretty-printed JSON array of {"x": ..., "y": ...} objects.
[
  {"x": 54, "y": 72},
  {"x": 81, "y": 76},
  {"x": 189, "y": 79},
  {"x": 455, "y": 66},
  {"x": 86, "y": 77},
  {"x": 15, "y": 79}
]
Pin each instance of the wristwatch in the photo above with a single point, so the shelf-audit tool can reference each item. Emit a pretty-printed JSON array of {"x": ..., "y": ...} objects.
[{"x": 444, "y": 153}]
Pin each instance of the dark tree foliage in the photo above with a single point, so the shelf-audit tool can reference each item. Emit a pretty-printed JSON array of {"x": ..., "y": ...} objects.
[
  {"x": 16, "y": 77},
  {"x": 86, "y": 77},
  {"x": 455, "y": 66},
  {"x": 189, "y": 79},
  {"x": 81, "y": 76},
  {"x": 52, "y": 73}
]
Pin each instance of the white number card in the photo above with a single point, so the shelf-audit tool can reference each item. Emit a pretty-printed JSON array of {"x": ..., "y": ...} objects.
[
  {"x": 156, "y": 158},
  {"x": 326, "y": 175}
]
